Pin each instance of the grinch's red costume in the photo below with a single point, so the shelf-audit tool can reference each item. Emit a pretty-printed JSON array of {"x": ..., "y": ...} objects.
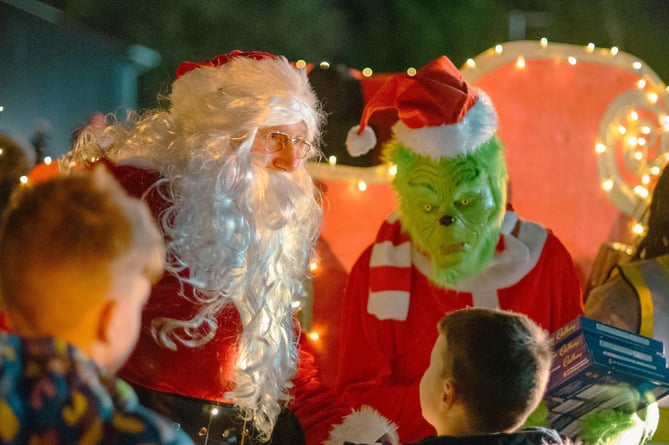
[{"x": 387, "y": 338}]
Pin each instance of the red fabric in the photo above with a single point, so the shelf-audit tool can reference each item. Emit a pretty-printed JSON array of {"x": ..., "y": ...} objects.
[
  {"x": 4, "y": 323},
  {"x": 386, "y": 277},
  {"x": 437, "y": 95},
  {"x": 222, "y": 59},
  {"x": 381, "y": 362},
  {"x": 202, "y": 372}
]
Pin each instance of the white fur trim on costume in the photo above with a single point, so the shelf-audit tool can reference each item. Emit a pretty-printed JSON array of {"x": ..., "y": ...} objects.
[
  {"x": 389, "y": 305},
  {"x": 359, "y": 144},
  {"x": 477, "y": 127},
  {"x": 363, "y": 426}
]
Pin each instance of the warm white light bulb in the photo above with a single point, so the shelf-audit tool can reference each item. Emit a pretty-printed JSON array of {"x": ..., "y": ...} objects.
[
  {"x": 471, "y": 63},
  {"x": 332, "y": 160},
  {"x": 641, "y": 191},
  {"x": 543, "y": 42},
  {"x": 367, "y": 72},
  {"x": 520, "y": 62},
  {"x": 600, "y": 148},
  {"x": 607, "y": 184},
  {"x": 362, "y": 185},
  {"x": 499, "y": 49}
]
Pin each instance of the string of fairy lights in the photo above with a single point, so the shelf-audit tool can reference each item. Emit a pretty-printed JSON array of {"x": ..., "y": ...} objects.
[{"x": 632, "y": 146}]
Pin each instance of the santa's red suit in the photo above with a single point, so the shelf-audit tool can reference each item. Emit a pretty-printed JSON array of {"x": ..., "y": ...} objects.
[
  {"x": 203, "y": 372},
  {"x": 391, "y": 311}
]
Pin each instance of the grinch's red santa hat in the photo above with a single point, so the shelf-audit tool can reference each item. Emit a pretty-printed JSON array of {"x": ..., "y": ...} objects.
[
  {"x": 241, "y": 90},
  {"x": 438, "y": 113}
]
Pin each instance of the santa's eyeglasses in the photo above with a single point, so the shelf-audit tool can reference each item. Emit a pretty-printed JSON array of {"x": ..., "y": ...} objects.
[{"x": 275, "y": 141}]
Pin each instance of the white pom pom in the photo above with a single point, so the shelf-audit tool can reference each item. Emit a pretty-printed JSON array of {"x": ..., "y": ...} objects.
[
  {"x": 359, "y": 144},
  {"x": 365, "y": 426}
]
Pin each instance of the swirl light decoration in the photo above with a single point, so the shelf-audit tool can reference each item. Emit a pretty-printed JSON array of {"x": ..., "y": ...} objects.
[
  {"x": 633, "y": 135},
  {"x": 633, "y": 145}
]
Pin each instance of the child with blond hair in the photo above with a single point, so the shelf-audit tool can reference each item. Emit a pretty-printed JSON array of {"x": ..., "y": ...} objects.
[{"x": 77, "y": 259}]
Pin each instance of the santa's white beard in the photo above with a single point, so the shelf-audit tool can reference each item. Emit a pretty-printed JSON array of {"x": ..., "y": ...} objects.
[{"x": 244, "y": 234}]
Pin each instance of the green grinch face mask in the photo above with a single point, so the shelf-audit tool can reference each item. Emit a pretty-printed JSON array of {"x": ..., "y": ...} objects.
[{"x": 452, "y": 208}]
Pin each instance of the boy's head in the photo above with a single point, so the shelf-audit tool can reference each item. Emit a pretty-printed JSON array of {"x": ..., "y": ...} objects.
[
  {"x": 488, "y": 371},
  {"x": 78, "y": 256}
]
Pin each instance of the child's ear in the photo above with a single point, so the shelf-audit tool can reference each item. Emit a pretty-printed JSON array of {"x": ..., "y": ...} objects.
[
  {"x": 448, "y": 393},
  {"x": 106, "y": 320}
]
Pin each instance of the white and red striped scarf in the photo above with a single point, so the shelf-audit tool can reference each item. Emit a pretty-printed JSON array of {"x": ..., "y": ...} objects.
[{"x": 393, "y": 256}]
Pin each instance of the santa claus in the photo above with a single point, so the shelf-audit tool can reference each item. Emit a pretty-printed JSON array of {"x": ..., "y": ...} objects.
[{"x": 222, "y": 168}]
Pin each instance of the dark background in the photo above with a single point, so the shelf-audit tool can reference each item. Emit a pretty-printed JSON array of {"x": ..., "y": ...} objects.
[{"x": 386, "y": 35}]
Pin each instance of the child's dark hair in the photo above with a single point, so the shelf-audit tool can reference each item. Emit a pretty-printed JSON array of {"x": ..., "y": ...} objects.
[{"x": 499, "y": 363}]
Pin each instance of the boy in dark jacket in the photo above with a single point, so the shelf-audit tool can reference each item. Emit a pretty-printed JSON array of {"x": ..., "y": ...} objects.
[{"x": 488, "y": 371}]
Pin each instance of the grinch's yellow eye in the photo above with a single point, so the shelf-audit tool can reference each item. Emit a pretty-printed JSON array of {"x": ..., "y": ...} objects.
[
  {"x": 427, "y": 207},
  {"x": 464, "y": 202}
]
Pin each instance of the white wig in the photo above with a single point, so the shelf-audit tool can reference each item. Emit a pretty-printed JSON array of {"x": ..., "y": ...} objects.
[{"x": 244, "y": 93}]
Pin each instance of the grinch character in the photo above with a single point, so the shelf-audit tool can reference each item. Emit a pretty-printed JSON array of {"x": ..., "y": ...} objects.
[{"x": 454, "y": 242}]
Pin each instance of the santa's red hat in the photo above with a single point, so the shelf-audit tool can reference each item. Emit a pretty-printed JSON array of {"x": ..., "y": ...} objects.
[
  {"x": 241, "y": 90},
  {"x": 438, "y": 113}
]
